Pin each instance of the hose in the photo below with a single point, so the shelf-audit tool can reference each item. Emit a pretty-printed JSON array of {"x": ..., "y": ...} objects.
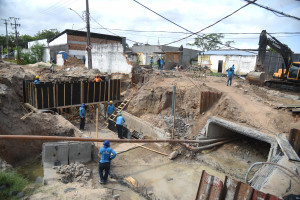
[{"x": 269, "y": 163}]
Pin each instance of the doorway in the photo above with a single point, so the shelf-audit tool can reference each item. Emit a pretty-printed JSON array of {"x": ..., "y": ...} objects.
[{"x": 220, "y": 66}]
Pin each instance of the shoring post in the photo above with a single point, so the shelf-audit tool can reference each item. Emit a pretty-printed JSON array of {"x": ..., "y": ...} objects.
[
  {"x": 97, "y": 119},
  {"x": 173, "y": 110}
]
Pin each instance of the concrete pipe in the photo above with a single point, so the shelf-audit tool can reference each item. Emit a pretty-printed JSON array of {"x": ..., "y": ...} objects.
[{"x": 256, "y": 78}]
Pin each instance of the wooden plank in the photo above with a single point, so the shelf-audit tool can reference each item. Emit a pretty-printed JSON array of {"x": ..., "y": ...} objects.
[
  {"x": 88, "y": 92},
  {"x": 42, "y": 92},
  {"x": 100, "y": 91},
  {"x": 94, "y": 91},
  {"x": 56, "y": 95},
  {"x": 54, "y": 102},
  {"x": 71, "y": 93},
  {"x": 294, "y": 140},
  {"x": 112, "y": 89},
  {"x": 286, "y": 148},
  {"x": 36, "y": 101},
  {"x": 27, "y": 115}
]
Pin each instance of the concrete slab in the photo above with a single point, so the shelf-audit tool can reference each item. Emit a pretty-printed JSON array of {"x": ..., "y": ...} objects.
[
  {"x": 55, "y": 151},
  {"x": 80, "y": 151}
]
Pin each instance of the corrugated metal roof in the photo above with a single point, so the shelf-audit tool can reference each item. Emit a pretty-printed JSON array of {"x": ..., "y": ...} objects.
[
  {"x": 230, "y": 52},
  {"x": 212, "y": 188}
]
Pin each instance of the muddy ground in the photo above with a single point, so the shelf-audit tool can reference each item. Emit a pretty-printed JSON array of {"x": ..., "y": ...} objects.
[{"x": 151, "y": 93}]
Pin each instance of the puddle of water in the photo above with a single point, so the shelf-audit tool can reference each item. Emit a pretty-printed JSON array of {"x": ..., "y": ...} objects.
[{"x": 31, "y": 170}]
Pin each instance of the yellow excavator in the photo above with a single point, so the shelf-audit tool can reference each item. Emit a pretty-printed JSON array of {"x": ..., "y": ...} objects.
[{"x": 288, "y": 77}]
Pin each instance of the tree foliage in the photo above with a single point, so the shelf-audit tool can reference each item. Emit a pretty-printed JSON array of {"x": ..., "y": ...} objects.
[
  {"x": 212, "y": 41},
  {"x": 24, "y": 39}
]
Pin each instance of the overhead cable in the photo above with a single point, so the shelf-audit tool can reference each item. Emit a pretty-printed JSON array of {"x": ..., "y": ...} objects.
[{"x": 273, "y": 10}]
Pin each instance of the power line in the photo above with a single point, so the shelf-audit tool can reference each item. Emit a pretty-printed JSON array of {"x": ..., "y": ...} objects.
[
  {"x": 211, "y": 24},
  {"x": 5, "y": 22},
  {"x": 273, "y": 10},
  {"x": 163, "y": 17}
]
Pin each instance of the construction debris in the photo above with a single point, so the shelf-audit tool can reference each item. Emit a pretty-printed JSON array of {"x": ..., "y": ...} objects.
[{"x": 73, "y": 172}]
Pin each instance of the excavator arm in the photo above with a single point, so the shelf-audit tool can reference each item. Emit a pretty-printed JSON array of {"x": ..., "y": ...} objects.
[{"x": 275, "y": 44}]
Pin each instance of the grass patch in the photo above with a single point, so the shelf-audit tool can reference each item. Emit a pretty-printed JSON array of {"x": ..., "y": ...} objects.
[
  {"x": 13, "y": 182},
  {"x": 215, "y": 74}
]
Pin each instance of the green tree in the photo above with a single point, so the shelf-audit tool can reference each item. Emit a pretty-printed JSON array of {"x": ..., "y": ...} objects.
[
  {"x": 46, "y": 34},
  {"x": 24, "y": 39},
  {"x": 212, "y": 41},
  {"x": 37, "y": 52}
]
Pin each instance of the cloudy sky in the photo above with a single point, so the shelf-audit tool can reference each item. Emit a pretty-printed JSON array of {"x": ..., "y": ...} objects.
[{"x": 36, "y": 15}]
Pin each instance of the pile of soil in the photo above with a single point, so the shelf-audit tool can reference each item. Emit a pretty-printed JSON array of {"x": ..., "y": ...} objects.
[{"x": 71, "y": 61}]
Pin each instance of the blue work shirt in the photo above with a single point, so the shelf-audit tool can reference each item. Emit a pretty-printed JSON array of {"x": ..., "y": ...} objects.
[
  {"x": 36, "y": 82},
  {"x": 105, "y": 153},
  {"x": 151, "y": 60},
  {"x": 120, "y": 120},
  {"x": 110, "y": 109},
  {"x": 82, "y": 111},
  {"x": 162, "y": 62},
  {"x": 230, "y": 73}
]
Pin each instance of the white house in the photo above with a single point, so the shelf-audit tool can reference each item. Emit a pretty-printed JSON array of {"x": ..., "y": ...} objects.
[{"x": 220, "y": 61}]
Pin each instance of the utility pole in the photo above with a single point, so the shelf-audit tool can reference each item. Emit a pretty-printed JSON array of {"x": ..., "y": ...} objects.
[
  {"x": 5, "y": 22},
  {"x": 88, "y": 35},
  {"x": 15, "y": 27}
]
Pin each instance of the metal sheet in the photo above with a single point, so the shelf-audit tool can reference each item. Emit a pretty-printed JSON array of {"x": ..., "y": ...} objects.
[{"x": 212, "y": 188}]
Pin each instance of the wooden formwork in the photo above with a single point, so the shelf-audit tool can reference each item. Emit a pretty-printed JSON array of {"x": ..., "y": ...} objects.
[
  {"x": 67, "y": 94},
  {"x": 207, "y": 99}
]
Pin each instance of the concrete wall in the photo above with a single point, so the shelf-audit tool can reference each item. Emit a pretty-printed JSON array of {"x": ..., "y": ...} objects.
[
  {"x": 66, "y": 152},
  {"x": 46, "y": 55},
  {"x": 109, "y": 58},
  {"x": 243, "y": 64},
  {"x": 145, "y": 128},
  {"x": 40, "y": 42}
]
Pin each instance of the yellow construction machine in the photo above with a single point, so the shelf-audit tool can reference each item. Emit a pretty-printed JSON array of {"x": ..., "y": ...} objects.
[{"x": 288, "y": 77}]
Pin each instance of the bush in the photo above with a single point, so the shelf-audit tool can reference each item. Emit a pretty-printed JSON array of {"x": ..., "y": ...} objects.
[{"x": 13, "y": 182}]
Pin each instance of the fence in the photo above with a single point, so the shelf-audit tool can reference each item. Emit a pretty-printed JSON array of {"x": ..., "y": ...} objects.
[{"x": 66, "y": 94}]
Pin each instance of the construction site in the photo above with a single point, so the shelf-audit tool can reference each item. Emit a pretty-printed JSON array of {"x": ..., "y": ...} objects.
[
  {"x": 185, "y": 137},
  {"x": 182, "y": 115}
]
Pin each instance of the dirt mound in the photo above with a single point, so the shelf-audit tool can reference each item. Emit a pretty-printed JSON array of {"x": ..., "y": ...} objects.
[{"x": 71, "y": 61}]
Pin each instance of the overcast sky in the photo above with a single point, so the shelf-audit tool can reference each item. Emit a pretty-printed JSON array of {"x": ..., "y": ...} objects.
[{"x": 36, "y": 15}]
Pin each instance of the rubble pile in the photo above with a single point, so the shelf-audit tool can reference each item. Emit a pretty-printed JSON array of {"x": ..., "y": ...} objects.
[
  {"x": 73, "y": 172},
  {"x": 4, "y": 166},
  {"x": 73, "y": 61}
]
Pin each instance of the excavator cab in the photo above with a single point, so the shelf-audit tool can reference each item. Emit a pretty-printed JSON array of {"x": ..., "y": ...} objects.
[{"x": 294, "y": 71}]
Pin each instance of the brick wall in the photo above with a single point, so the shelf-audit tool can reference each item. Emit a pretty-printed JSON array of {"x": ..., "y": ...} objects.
[{"x": 93, "y": 40}]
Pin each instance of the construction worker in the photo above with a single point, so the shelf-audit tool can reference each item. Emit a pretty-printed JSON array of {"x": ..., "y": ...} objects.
[
  {"x": 37, "y": 80},
  {"x": 110, "y": 108},
  {"x": 119, "y": 123},
  {"x": 151, "y": 61},
  {"x": 52, "y": 65},
  {"x": 162, "y": 62},
  {"x": 230, "y": 72},
  {"x": 107, "y": 154},
  {"x": 97, "y": 79},
  {"x": 82, "y": 114},
  {"x": 158, "y": 63}
]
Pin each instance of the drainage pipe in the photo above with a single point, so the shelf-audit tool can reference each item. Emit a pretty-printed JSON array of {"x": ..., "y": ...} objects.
[
  {"x": 196, "y": 149},
  {"x": 270, "y": 163},
  {"x": 60, "y": 138}
]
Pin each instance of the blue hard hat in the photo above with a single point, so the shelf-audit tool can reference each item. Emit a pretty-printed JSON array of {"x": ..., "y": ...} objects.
[
  {"x": 106, "y": 143},
  {"x": 82, "y": 105}
]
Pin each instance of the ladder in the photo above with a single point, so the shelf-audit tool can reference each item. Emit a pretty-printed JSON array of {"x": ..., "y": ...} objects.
[{"x": 113, "y": 116}]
